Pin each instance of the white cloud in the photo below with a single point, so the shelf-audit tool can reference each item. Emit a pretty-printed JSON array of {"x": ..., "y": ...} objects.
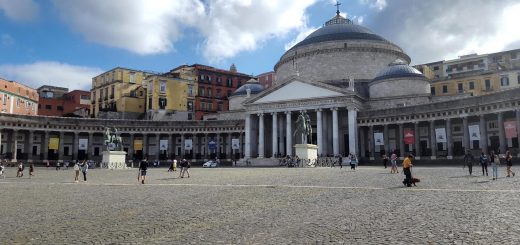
[
  {"x": 6, "y": 40},
  {"x": 304, "y": 32},
  {"x": 375, "y": 4},
  {"x": 140, "y": 26},
  {"x": 235, "y": 26},
  {"x": 51, "y": 73},
  {"x": 19, "y": 10}
]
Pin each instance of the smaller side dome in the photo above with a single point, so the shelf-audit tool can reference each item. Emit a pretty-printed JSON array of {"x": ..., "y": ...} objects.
[
  {"x": 252, "y": 86},
  {"x": 396, "y": 69}
]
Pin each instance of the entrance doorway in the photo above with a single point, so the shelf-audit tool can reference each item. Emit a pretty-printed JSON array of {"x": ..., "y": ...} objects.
[{"x": 494, "y": 143}]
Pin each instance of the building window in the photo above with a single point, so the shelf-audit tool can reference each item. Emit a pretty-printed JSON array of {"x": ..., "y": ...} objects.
[
  {"x": 162, "y": 103},
  {"x": 150, "y": 103},
  {"x": 190, "y": 90},
  {"x": 497, "y": 58},
  {"x": 163, "y": 86},
  {"x": 229, "y": 82},
  {"x": 209, "y": 92},
  {"x": 202, "y": 106},
  {"x": 201, "y": 91},
  {"x": 514, "y": 56},
  {"x": 201, "y": 77},
  {"x": 432, "y": 90},
  {"x": 60, "y": 108},
  {"x": 444, "y": 89},
  {"x": 487, "y": 83},
  {"x": 17, "y": 102},
  {"x": 208, "y": 78},
  {"x": 492, "y": 125},
  {"x": 210, "y": 106},
  {"x": 190, "y": 105},
  {"x": 219, "y": 79},
  {"x": 220, "y": 106},
  {"x": 460, "y": 88},
  {"x": 113, "y": 89},
  {"x": 48, "y": 107},
  {"x": 150, "y": 87},
  {"x": 471, "y": 85},
  {"x": 518, "y": 78},
  {"x": 132, "y": 77},
  {"x": 504, "y": 81}
]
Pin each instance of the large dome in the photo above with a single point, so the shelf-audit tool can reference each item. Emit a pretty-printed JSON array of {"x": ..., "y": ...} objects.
[{"x": 338, "y": 50}]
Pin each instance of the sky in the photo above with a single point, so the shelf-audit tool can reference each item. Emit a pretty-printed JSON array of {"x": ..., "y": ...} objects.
[{"x": 67, "y": 42}]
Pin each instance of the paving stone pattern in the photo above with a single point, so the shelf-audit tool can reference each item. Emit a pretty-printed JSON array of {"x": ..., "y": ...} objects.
[{"x": 260, "y": 206}]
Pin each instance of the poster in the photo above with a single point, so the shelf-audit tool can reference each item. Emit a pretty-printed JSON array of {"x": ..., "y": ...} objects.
[
  {"x": 83, "y": 144},
  {"x": 54, "y": 143},
  {"x": 138, "y": 145},
  {"x": 409, "y": 136},
  {"x": 188, "y": 144},
  {"x": 378, "y": 139},
  {"x": 163, "y": 145},
  {"x": 474, "y": 132},
  {"x": 235, "y": 144},
  {"x": 440, "y": 135},
  {"x": 510, "y": 128},
  {"x": 212, "y": 145}
]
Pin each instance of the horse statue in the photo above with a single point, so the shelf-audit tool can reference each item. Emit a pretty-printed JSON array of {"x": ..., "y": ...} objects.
[
  {"x": 113, "y": 142},
  {"x": 303, "y": 127}
]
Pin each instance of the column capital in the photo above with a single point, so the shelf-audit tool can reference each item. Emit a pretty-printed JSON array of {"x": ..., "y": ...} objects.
[
  {"x": 319, "y": 110},
  {"x": 274, "y": 113},
  {"x": 334, "y": 108},
  {"x": 260, "y": 114},
  {"x": 288, "y": 112},
  {"x": 352, "y": 108}
]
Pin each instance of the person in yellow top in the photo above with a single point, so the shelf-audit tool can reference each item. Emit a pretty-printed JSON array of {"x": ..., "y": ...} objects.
[{"x": 407, "y": 165}]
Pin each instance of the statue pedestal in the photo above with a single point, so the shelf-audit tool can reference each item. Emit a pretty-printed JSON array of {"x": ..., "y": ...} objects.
[
  {"x": 306, "y": 151},
  {"x": 114, "y": 159}
]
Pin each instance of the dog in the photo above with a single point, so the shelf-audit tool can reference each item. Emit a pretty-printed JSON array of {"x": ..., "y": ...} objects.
[{"x": 414, "y": 180}]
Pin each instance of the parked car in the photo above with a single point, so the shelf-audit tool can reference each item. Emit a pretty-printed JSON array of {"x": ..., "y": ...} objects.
[{"x": 210, "y": 164}]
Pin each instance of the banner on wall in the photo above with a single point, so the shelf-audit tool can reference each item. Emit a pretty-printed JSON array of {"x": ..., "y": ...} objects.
[
  {"x": 188, "y": 144},
  {"x": 212, "y": 145},
  {"x": 379, "y": 139},
  {"x": 510, "y": 128},
  {"x": 440, "y": 135},
  {"x": 83, "y": 144},
  {"x": 409, "y": 136},
  {"x": 54, "y": 143},
  {"x": 474, "y": 132},
  {"x": 138, "y": 145},
  {"x": 163, "y": 145},
  {"x": 235, "y": 144}
]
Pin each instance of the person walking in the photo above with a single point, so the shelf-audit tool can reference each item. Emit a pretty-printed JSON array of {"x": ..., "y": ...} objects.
[
  {"x": 509, "y": 164},
  {"x": 469, "y": 159},
  {"x": 84, "y": 170},
  {"x": 19, "y": 174},
  {"x": 58, "y": 165},
  {"x": 495, "y": 162},
  {"x": 31, "y": 170},
  {"x": 2, "y": 168},
  {"x": 143, "y": 167},
  {"x": 484, "y": 163},
  {"x": 340, "y": 161},
  {"x": 407, "y": 170},
  {"x": 385, "y": 160},
  {"x": 353, "y": 161},
  {"x": 393, "y": 160},
  {"x": 76, "y": 172},
  {"x": 48, "y": 164}
]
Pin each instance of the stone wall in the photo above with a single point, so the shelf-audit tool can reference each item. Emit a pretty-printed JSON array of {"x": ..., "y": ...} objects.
[{"x": 399, "y": 87}]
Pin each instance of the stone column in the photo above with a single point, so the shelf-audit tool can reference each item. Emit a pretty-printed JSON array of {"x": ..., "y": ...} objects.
[
  {"x": 449, "y": 139},
  {"x": 417, "y": 141},
  {"x": 261, "y": 136},
  {"x": 158, "y": 145},
  {"x": 433, "y": 140},
  {"x": 171, "y": 146},
  {"x": 90, "y": 147},
  {"x": 45, "y": 145},
  {"x": 60, "y": 148},
  {"x": 362, "y": 144},
  {"x": 465, "y": 136},
  {"x": 501, "y": 135},
  {"x": 319, "y": 131},
  {"x": 335, "y": 132},
  {"x": 289, "y": 133},
  {"x": 205, "y": 146},
  {"x": 218, "y": 146},
  {"x": 14, "y": 145},
  {"x": 131, "y": 146},
  {"x": 247, "y": 150},
  {"x": 371, "y": 142},
  {"x": 275, "y": 134},
  {"x": 325, "y": 133},
  {"x": 183, "y": 150},
  {"x": 385, "y": 139},
  {"x": 30, "y": 142},
  {"x": 229, "y": 150},
  {"x": 195, "y": 146},
  {"x": 75, "y": 146},
  {"x": 483, "y": 134},
  {"x": 518, "y": 129},
  {"x": 401, "y": 140},
  {"x": 281, "y": 133},
  {"x": 145, "y": 145}
]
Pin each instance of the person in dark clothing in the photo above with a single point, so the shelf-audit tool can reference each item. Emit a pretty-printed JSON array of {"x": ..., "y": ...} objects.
[
  {"x": 385, "y": 160},
  {"x": 484, "y": 163},
  {"x": 469, "y": 159},
  {"x": 407, "y": 170},
  {"x": 143, "y": 167},
  {"x": 340, "y": 161}
]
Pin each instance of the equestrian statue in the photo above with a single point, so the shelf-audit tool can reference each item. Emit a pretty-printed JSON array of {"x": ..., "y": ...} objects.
[
  {"x": 303, "y": 127},
  {"x": 113, "y": 141}
]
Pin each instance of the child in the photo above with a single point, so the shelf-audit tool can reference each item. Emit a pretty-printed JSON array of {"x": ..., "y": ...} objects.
[{"x": 353, "y": 162}]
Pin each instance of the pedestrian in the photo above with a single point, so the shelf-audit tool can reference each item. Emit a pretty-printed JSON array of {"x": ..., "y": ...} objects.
[
  {"x": 84, "y": 170},
  {"x": 31, "y": 170},
  {"x": 2, "y": 168},
  {"x": 19, "y": 174},
  {"x": 407, "y": 170},
  {"x": 143, "y": 167},
  {"x": 353, "y": 161},
  {"x": 185, "y": 165},
  {"x": 76, "y": 171},
  {"x": 340, "y": 161},
  {"x": 58, "y": 165},
  {"x": 385, "y": 160},
  {"x": 174, "y": 164},
  {"x": 469, "y": 159},
  {"x": 48, "y": 164},
  {"x": 393, "y": 160},
  {"x": 66, "y": 165},
  {"x": 495, "y": 162},
  {"x": 484, "y": 163},
  {"x": 509, "y": 164}
]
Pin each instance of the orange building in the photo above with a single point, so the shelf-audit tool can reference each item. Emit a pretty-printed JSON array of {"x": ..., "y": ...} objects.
[{"x": 16, "y": 98}]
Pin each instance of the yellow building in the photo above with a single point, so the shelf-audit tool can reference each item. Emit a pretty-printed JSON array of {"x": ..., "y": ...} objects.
[
  {"x": 119, "y": 93},
  {"x": 168, "y": 98},
  {"x": 478, "y": 84}
]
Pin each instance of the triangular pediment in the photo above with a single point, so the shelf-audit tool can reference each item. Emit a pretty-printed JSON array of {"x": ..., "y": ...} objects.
[{"x": 296, "y": 90}]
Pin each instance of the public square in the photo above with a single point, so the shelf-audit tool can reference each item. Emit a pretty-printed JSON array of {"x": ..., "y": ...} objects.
[{"x": 260, "y": 206}]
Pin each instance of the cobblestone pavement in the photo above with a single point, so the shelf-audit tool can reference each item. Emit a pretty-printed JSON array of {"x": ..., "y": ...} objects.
[{"x": 260, "y": 206}]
